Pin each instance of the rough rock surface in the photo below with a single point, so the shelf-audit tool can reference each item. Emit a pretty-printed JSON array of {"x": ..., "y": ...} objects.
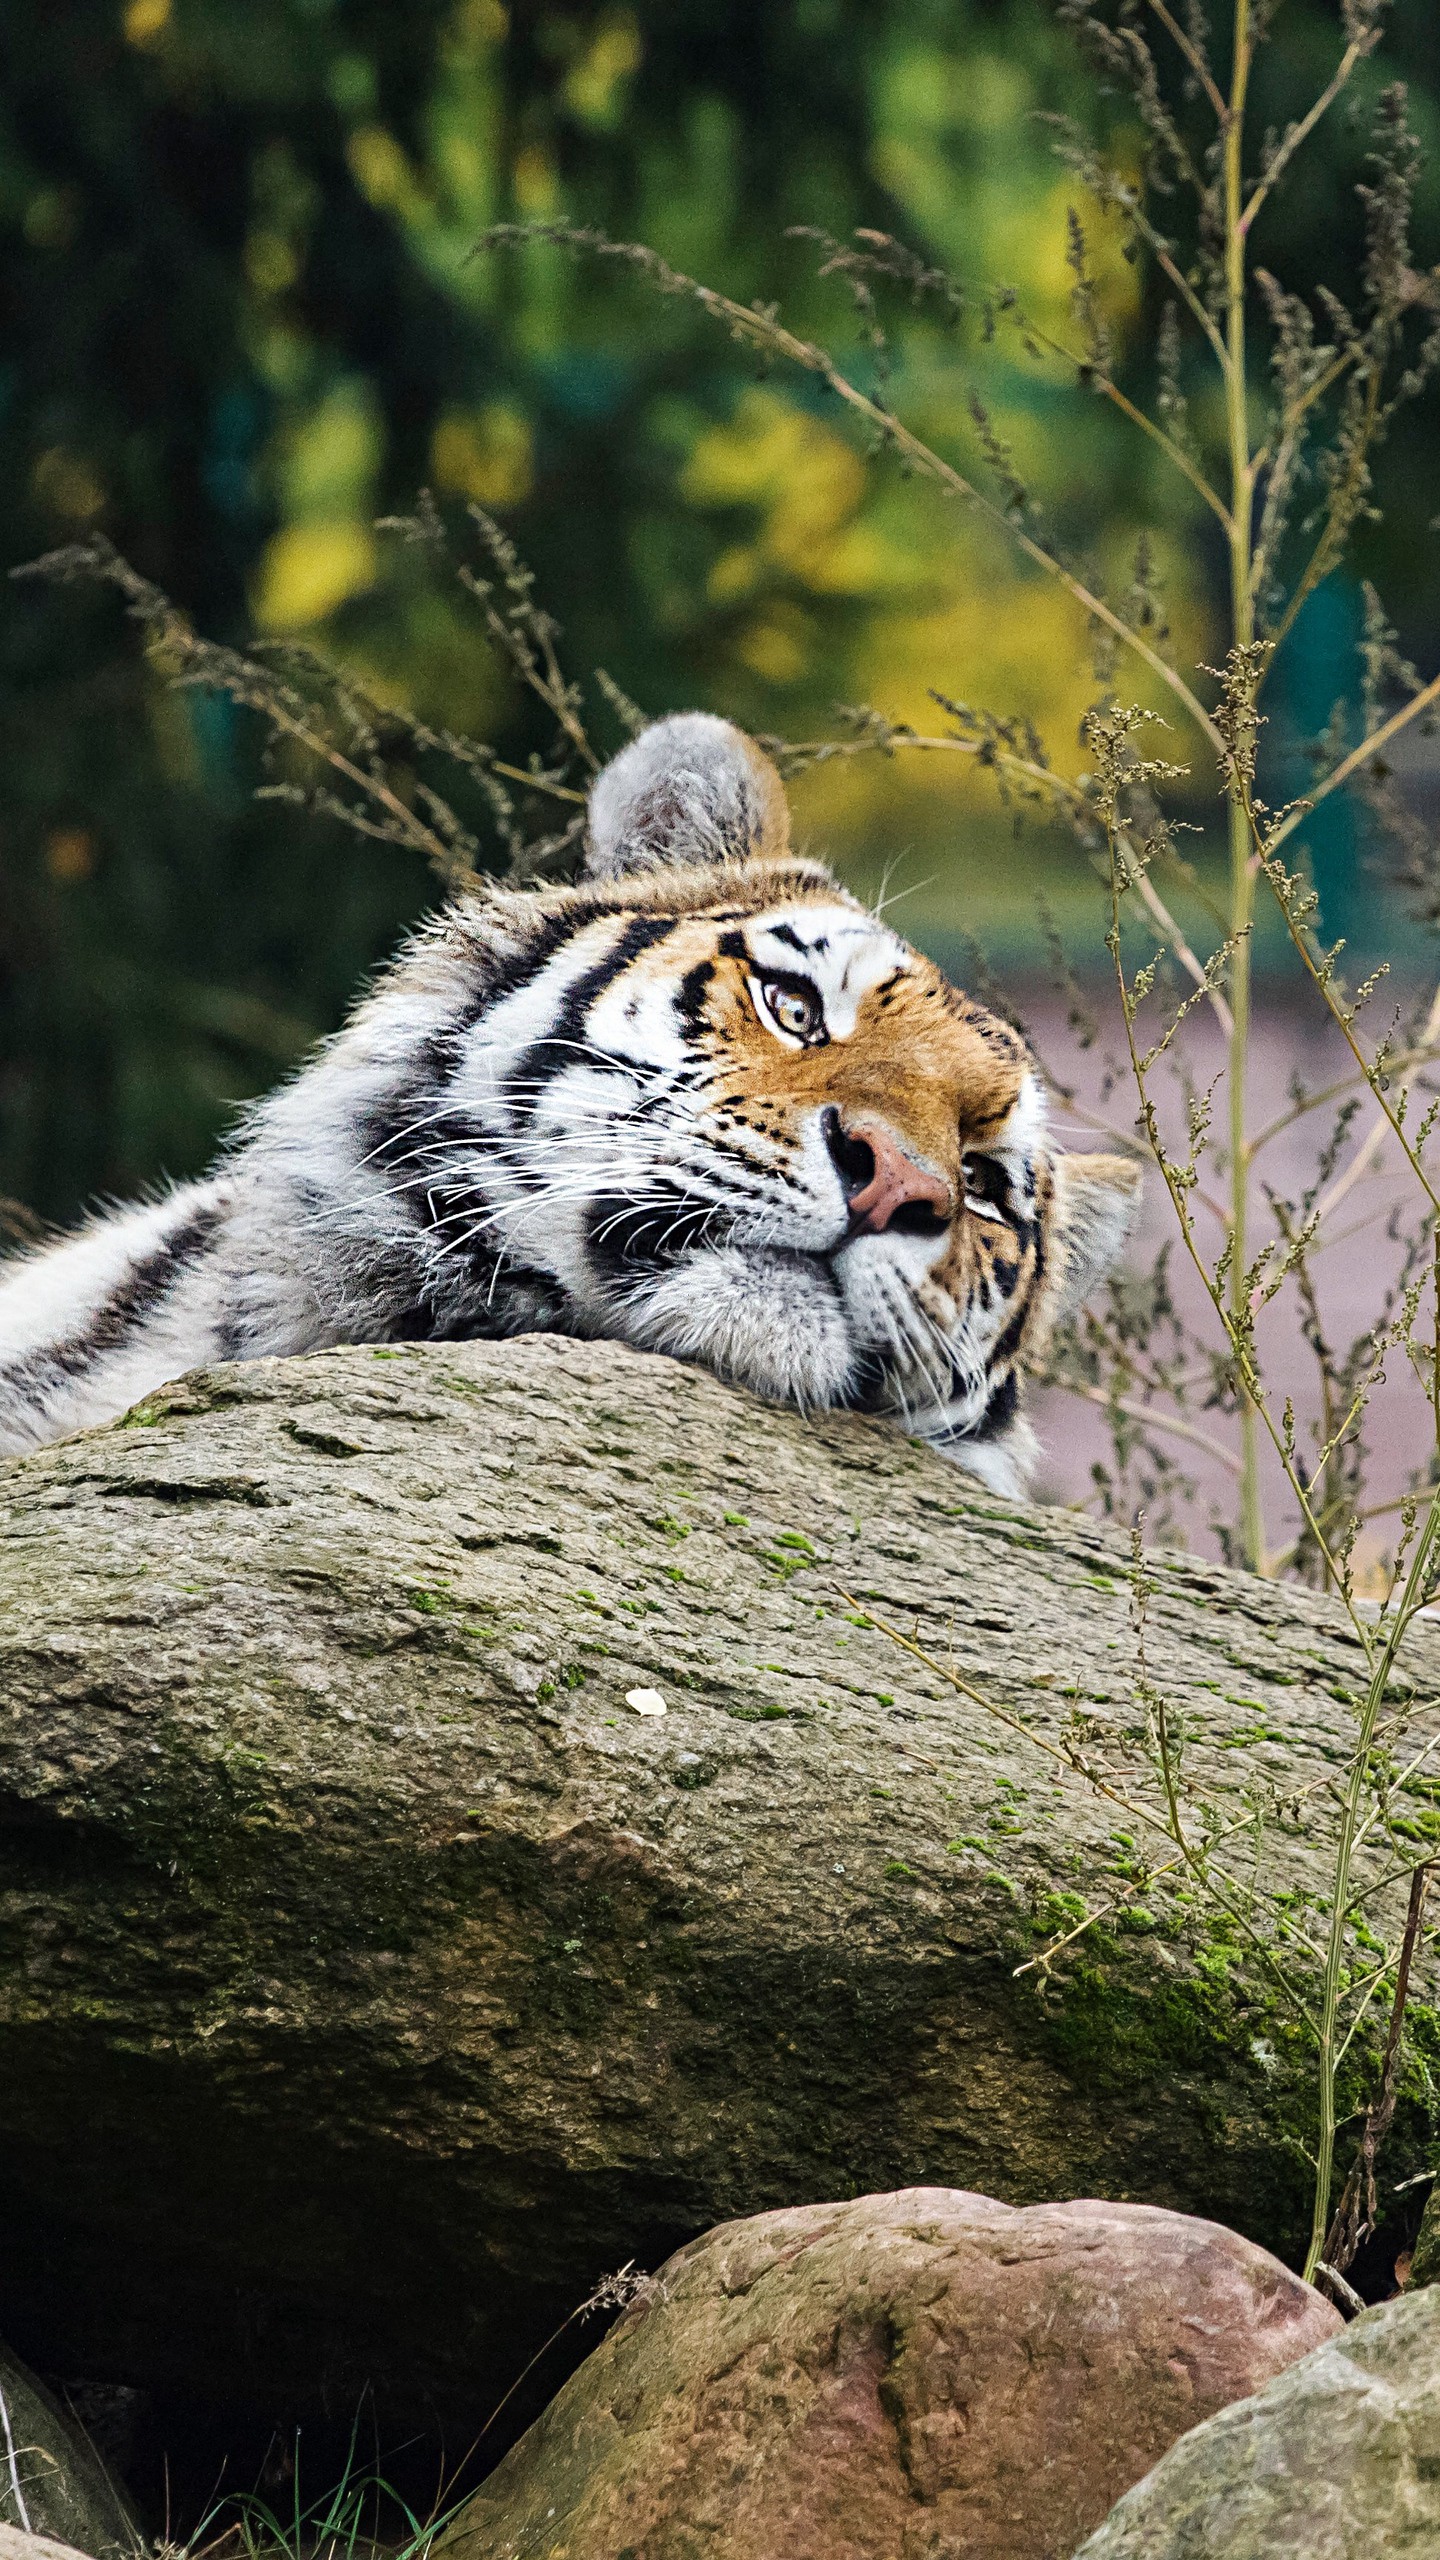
[
  {"x": 1425, "y": 2256},
  {"x": 922, "y": 2376},
  {"x": 17, "y": 2545},
  {"x": 1337, "y": 2460},
  {"x": 373, "y": 1977},
  {"x": 51, "y": 2480}
]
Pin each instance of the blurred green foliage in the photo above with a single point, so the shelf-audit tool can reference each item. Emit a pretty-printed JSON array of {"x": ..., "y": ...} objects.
[{"x": 241, "y": 319}]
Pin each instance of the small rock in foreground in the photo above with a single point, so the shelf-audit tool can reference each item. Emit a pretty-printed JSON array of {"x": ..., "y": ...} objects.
[
  {"x": 1339, "y": 2459},
  {"x": 15, "y": 2545},
  {"x": 921, "y": 2376}
]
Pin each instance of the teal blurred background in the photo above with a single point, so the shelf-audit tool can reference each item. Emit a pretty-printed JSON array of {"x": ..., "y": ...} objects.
[{"x": 240, "y": 320}]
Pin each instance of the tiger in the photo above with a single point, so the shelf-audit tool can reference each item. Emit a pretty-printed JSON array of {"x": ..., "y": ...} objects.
[{"x": 702, "y": 1101}]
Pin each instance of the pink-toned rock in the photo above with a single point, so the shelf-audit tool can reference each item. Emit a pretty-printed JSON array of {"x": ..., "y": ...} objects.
[
  {"x": 15, "y": 2545},
  {"x": 921, "y": 2376}
]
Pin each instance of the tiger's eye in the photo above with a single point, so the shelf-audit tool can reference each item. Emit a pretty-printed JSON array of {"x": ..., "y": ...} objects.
[
  {"x": 793, "y": 1007},
  {"x": 987, "y": 1186}
]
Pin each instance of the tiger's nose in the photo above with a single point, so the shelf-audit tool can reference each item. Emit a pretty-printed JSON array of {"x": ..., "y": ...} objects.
[{"x": 883, "y": 1186}]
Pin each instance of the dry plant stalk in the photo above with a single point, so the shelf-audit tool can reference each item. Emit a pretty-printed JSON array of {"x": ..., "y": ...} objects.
[
  {"x": 380, "y": 768},
  {"x": 1357, "y": 2212}
]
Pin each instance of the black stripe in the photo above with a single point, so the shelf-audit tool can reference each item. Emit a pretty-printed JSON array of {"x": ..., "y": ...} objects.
[
  {"x": 1006, "y": 1277},
  {"x": 422, "y": 1322},
  {"x": 153, "y": 1280},
  {"x": 998, "y": 1415},
  {"x": 690, "y": 1001},
  {"x": 623, "y": 1240},
  {"x": 869, "y": 1387},
  {"x": 1009, "y": 1341},
  {"x": 557, "y": 1049},
  {"x": 381, "y": 1131},
  {"x": 144, "y": 1289},
  {"x": 1000, "y": 1411},
  {"x": 762, "y": 1172}
]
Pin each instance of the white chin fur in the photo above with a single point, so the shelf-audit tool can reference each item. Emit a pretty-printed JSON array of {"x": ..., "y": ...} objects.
[
  {"x": 762, "y": 1319},
  {"x": 1003, "y": 1465}
]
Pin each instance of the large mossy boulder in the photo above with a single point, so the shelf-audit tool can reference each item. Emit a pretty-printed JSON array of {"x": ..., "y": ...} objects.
[{"x": 373, "y": 1976}]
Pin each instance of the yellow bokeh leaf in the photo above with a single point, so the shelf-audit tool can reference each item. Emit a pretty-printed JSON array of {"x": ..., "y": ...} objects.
[
  {"x": 271, "y": 262},
  {"x": 487, "y": 454},
  {"x": 308, "y": 570},
  {"x": 67, "y": 484},
  {"x": 381, "y": 170},
  {"x": 144, "y": 20},
  {"x": 775, "y": 647},
  {"x": 537, "y": 187},
  {"x": 735, "y": 573},
  {"x": 330, "y": 456},
  {"x": 806, "y": 484},
  {"x": 594, "y": 84}
]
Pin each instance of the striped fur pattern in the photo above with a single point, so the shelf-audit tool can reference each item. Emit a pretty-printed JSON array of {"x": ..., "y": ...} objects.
[{"x": 703, "y": 1102}]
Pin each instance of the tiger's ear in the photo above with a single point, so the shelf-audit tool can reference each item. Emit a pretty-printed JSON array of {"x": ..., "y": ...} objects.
[
  {"x": 1097, "y": 1202},
  {"x": 688, "y": 789}
]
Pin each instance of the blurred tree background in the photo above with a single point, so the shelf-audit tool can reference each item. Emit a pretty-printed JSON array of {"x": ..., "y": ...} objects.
[{"x": 241, "y": 320}]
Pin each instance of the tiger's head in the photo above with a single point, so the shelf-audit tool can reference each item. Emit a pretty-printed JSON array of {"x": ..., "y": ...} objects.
[{"x": 726, "y": 1113}]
